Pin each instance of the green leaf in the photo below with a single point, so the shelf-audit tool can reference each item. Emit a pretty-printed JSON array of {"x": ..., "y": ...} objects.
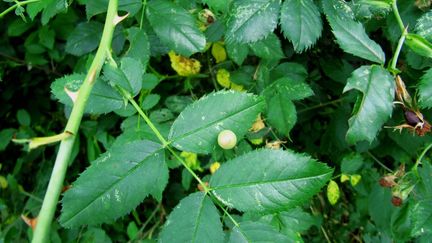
[
  {"x": 281, "y": 112},
  {"x": 290, "y": 70},
  {"x": 115, "y": 184},
  {"x": 139, "y": 46},
  {"x": 23, "y": 117},
  {"x": 47, "y": 37},
  {"x": 128, "y": 76},
  {"x": 218, "y": 5},
  {"x": 95, "y": 7},
  {"x": 34, "y": 8},
  {"x": 268, "y": 48},
  {"x": 17, "y": 27},
  {"x": 269, "y": 180},
  {"x": 352, "y": 163},
  {"x": 301, "y": 23},
  {"x": 419, "y": 45},
  {"x": 150, "y": 101},
  {"x": 52, "y": 8},
  {"x": 132, "y": 230},
  {"x": 338, "y": 9},
  {"x": 95, "y": 235},
  {"x": 422, "y": 218},
  {"x": 103, "y": 98},
  {"x": 5, "y": 137},
  {"x": 150, "y": 81},
  {"x": 425, "y": 90},
  {"x": 292, "y": 89},
  {"x": 194, "y": 219},
  {"x": 374, "y": 106},
  {"x": 249, "y": 231},
  {"x": 237, "y": 52},
  {"x": 252, "y": 20},
  {"x": 162, "y": 115},
  {"x": 196, "y": 129},
  {"x": 175, "y": 27},
  {"x": 178, "y": 103},
  {"x": 424, "y": 26},
  {"x": 297, "y": 220},
  {"x": 85, "y": 38},
  {"x": 351, "y": 35}
]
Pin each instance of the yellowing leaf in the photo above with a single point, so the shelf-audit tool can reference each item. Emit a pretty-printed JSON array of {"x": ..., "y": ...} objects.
[
  {"x": 333, "y": 192},
  {"x": 237, "y": 87},
  {"x": 214, "y": 167},
  {"x": 40, "y": 141},
  {"x": 258, "y": 124},
  {"x": 256, "y": 141},
  {"x": 3, "y": 182},
  {"x": 274, "y": 144},
  {"x": 191, "y": 160},
  {"x": 223, "y": 78},
  {"x": 355, "y": 179},
  {"x": 218, "y": 52},
  {"x": 344, "y": 177},
  {"x": 184, "y": 66}
]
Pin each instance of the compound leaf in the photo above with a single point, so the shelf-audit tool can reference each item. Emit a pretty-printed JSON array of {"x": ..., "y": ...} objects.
[
  {"x": 175, "y": 27},
  {"x": 374, "y": 106},
  {"x": 252, "y": 20},
  {"x": 197, "y": 127},
  {"x": 301, "y": 23},
  {"x": 115, "y": 184},
  {"x": 194, "y": 219},
  {"x": 269, "y": 180}
]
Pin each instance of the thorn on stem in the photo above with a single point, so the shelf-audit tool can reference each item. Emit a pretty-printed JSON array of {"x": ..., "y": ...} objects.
[{"x": 118, "y": 19}]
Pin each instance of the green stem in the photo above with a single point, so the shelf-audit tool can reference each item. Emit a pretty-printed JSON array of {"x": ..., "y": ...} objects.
[
  {"x": 18, "y": 4},
  {"x": 223, "y": 209},
  {"x": 397, "y": 15},
  {"x": 419, "y": 159},
  {"x": 146, "y": 222},
  {"x": 144, "y": 4},
  {"x": 321, "y": 105},
  {"x": 63, "y": 156},
  {"x": 379, "y": 162},
  {"x": 164, "y": 142},
  {"x": 398, "y": 50}
]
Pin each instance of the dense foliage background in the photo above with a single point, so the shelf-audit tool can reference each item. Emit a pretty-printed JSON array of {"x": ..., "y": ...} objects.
[{"x": 298, "y": 81}]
